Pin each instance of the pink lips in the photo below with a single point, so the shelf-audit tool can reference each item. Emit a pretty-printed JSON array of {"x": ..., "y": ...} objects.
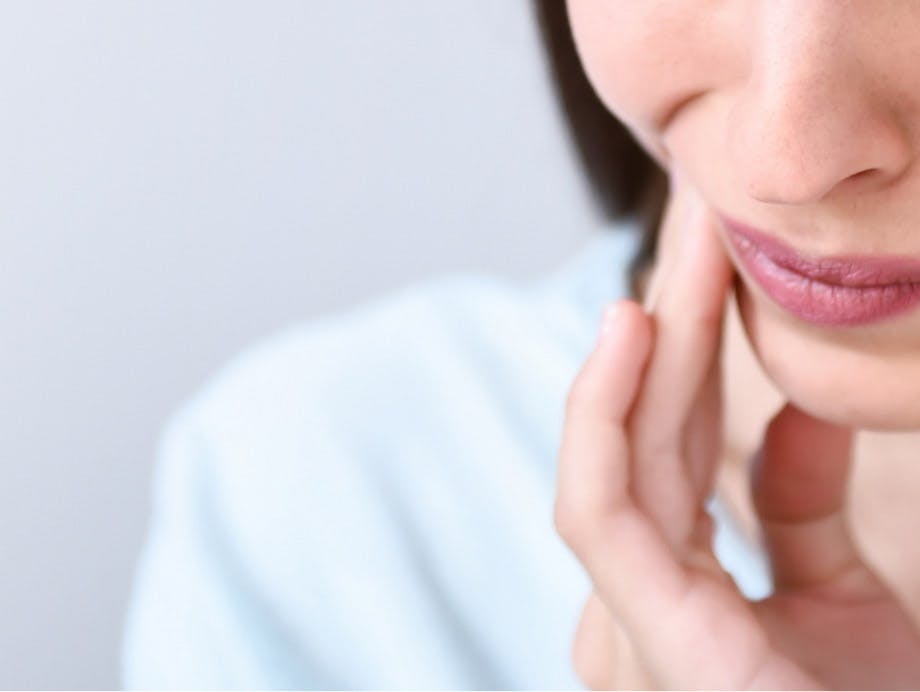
[{"x": 841, "y": 290}]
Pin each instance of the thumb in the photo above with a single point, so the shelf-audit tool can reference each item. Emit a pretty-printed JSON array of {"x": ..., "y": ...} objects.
[{"x": 799, "y": 488}]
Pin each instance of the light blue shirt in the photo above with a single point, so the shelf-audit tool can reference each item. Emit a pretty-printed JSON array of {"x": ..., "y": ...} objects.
[{"x": 365, "y": 501}]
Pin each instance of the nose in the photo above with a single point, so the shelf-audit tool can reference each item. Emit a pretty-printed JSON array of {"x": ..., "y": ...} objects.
[{"x": 812, "y": 120}]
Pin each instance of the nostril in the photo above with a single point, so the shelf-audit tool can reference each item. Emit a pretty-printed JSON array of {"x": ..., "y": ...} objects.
[
  {"x": 862, "y": 180},
  {"x": 861, "y": 175}
]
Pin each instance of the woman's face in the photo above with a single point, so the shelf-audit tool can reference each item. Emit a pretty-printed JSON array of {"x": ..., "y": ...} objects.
[{"x": 798, "y": 119}]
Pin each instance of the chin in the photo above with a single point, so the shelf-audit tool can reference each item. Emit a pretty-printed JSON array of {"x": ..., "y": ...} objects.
[{"x": 856, "y": 379}]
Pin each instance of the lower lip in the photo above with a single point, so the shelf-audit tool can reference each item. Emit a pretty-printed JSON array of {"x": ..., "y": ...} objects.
[{"x": 820, "y": 301}]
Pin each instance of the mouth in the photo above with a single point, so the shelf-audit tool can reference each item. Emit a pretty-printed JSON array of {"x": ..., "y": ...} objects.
[{"x": 840, "y": 290}]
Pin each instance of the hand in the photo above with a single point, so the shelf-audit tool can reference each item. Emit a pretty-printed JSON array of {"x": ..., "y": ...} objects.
[{"x": 641, "y": 443}]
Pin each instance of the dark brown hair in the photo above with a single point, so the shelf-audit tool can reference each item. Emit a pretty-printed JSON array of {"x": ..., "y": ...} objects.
[{"x": 624, "y": 180}]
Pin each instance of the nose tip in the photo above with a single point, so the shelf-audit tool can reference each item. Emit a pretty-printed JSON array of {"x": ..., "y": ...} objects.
[{"x": 802, "y": 151}]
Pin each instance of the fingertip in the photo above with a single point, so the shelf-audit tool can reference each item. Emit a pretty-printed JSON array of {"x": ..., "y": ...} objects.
[
  {"x": 625, "y": 336},
  {"x": 624, "y": 321},
  {"x": 610, "y": 377}
]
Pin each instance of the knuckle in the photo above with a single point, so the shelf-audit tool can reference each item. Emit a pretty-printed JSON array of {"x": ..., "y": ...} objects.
[
  {"x": 707, "y": 321},
  {"x": 572, "y": 525},
  {"x": 566, "y": 522},
  {"x": 588, "y": 671},
  {"x": 654, "y": 444},
  {"x": 578, "y": 398},
  {"x": 592, "y": 655}
]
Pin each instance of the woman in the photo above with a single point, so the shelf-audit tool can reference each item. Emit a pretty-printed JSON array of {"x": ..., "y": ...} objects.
[
  {"x": 789, "y": 130},
  {"x": 368, "y": 501}
]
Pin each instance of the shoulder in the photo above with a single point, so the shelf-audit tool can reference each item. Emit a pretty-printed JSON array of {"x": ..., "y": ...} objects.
[
  {"x": 372, "y": 387},
  {"x": 370, "y": 362},
  {"x": 326, "y": 459},
  {"x": 424, "y": 358},
  {"x": 420, "y": 358},
  {"x": 346, "y": 425},
  {"x": 427, "y": 330}
]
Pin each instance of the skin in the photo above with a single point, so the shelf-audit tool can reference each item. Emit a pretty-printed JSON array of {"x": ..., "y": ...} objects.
[
  {"x": 795, "y": 116},
  {"x": 799, "y": 119}
]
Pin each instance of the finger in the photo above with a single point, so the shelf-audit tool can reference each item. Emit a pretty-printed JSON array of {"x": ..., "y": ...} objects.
[
  {"x": 636, "y": 574},
  {"x": 594, "y": 512},
  {"x": 602, "y": 653},
  {"x": 596, "y": 648},
  {"x": 593, "y": 461},
  {"x": 628, "y": 673},
  {"x": 703, "y": 434},
  {"x": 799, "y": 488},
  {"x": 688, "y": 318}
]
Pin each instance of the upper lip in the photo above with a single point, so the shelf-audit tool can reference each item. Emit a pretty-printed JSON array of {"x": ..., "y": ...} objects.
[{"x": 855, "y": 271}]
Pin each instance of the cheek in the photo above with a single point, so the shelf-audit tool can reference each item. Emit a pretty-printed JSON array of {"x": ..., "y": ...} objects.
[
  {"x": 858, "y": 388},
  {"x": 611, "y": 52},
  {"x": 646, "y": 57},
  {"x": 635, "y": 53}
]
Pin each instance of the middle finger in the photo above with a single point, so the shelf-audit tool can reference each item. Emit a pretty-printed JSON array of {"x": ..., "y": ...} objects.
[{"x": 688, "y": 315}]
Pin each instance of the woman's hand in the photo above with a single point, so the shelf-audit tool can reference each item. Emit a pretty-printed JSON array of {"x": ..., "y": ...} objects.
[{"x": 640, "y": 449}]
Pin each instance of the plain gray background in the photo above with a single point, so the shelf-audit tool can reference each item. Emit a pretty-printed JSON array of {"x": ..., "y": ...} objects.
[{"x": 179, "y": 179}]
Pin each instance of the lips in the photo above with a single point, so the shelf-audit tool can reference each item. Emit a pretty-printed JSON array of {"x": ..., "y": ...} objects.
[{"x": 839, "y": 290}]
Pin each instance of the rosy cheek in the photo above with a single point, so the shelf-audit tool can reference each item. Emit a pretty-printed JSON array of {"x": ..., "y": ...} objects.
[{"x": 620, "y": 49}]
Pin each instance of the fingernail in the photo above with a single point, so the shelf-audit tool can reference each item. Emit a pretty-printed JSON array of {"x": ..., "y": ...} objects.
[
  {"x": 609, "y": 321},
  {"x": 652, "y": 291},
  {"x": 674, "y": 176}
]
